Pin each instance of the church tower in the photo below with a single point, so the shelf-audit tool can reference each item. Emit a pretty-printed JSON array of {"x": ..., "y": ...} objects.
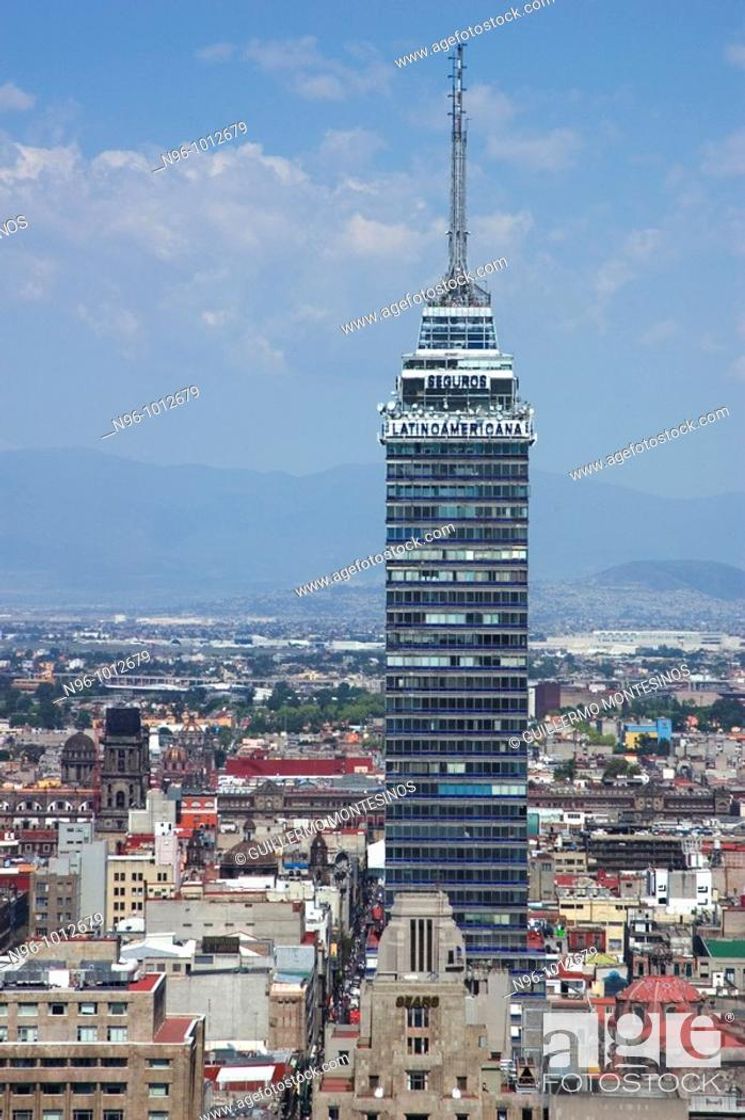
[{"x": 125, "y": 770}]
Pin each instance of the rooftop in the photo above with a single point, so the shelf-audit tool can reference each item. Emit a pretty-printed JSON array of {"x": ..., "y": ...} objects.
[{"x": 724, "y": 949}]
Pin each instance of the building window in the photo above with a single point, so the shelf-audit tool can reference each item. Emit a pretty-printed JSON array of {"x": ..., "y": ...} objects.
[
  {"x": 462, "y": 1084},
  {"x": 3, "y": 1009},
  {"x": 159, "y": 1063},
  {"x": 374, "y": 1081},
  {"x": 54, "y": 1062},
  {"x": 85, "y": 1087},
  {"x": 28, "y": 1009},
  {"x": 51, "y": 1114},
  {"x": 113, "y": 1114},
  {"x": 57, "y": 1008},
  {"x": 3, "y": 1034},
  {"x": 158, "y": 1089},
  {"x": 28, "y": 1034},
  {"x": 417, "y": 1045},
  {"x": 333, "y": 1112},
  {"x": 116, "y": 1088},
  {"x": 87, "y": 1034},
  {"x": 119, "y": 1063},
  {"x": 157, "y": 1116},
  {"x": 117, "y": 1034},
  {"x": 117, "y": 1009},
  {"x": 87, "y": 1009},
  {"x": 22, "y": 1114},
  {"x": 416, "y": 1079},
  {"x": 82, "y": 1114},
  {"x": 53, "y": 1088},
  {"x": 417, "y": 1017}
]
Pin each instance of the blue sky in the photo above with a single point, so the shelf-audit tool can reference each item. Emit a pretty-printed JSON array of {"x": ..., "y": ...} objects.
[{"x": 606, "y": 162}]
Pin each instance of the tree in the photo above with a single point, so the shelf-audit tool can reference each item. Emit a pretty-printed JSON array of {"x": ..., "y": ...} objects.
[
  {"x": 566, "y": 769},
  {"x": 619, "y": 767},
  {"x": 83, "y": 720},
  {"x": 727, "y": 713},
  {"x": 282, "y": 695}
]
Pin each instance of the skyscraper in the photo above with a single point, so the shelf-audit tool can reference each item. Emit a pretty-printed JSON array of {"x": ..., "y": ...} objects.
[{"x": 457, "y": 437}]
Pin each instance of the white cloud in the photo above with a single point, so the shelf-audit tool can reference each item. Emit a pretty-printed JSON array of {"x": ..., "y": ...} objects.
[
  {"x": 110, "y": 320},
  {"x": 727, "y": 156},
  {"x": 12, "y": 97},
  {"x": 735, "y": 54},
  {"x": 737, "y": 369},
  {"x": 350, "y": 147},
  {"x": 224, "y": 247},
  {"x": 217, "y": 52},
  {"x": 216, "y": 318},
  {"x": 488, "y": 105},
  {"x": 659, "y": 332},
  {"x": 624, "y": 266},
  {"x": 319, "y": 87},
  {"x": 315, "y": 76},
  {"x": 551, "y": 151},
  {"x": 31, "y": 163},
  {"x": 502, "y": 228},
  {"x": 367, "y": 237}
]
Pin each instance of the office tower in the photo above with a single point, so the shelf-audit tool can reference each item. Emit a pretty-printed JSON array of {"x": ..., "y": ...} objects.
[
  {"x": 457, "y": 437},
  {"x": 125, "y": 773}
]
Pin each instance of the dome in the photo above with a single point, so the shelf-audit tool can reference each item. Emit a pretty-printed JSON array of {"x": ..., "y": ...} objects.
[
  {"x": 660, "y": 990},
  {"x": 79, "y": 744}
]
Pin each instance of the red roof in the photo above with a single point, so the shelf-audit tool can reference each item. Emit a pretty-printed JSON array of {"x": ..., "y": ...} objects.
[
  {"x": 147, "y": 983},
  {"x": 298, "y": 767},
  {"x": 174, "y": 1028},
  {"x": 661, "y": 990}
]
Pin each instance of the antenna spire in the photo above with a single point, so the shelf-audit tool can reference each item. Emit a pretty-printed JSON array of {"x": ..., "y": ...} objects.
[
  {"x": 458, "y": 235},
  {"x": 468, "y": 292}
]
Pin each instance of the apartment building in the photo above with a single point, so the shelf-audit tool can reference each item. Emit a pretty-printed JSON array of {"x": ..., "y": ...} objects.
[
  {"x": 91, "y": 1043},
  {"x": 54, "y": 900},
  {"x": 132, "y": 879}
]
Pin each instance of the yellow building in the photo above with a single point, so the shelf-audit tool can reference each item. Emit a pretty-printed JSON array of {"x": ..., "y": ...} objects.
[
  {"x": 130, "y": 880},
  {"x": 611, "y": 913}
]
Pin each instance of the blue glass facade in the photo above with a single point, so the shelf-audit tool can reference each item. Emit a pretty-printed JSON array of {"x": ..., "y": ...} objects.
[{"x": 457, "y": 440}]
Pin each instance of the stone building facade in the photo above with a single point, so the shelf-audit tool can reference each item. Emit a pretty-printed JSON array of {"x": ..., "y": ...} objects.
[{"x": 425, "y": 1048}]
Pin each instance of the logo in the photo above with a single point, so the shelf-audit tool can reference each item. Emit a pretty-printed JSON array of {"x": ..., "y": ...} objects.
[
  {"x": 418, "y": 1001},
  {"x": 588, "y": 1040}
]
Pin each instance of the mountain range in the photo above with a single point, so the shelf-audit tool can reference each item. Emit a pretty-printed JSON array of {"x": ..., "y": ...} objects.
[{"x": 86, "y": 527}]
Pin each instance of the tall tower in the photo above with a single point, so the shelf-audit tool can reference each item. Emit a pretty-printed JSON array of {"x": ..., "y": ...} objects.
[
  {"x": 125, "y": 773},
  {"x": 457, "y": 437}
]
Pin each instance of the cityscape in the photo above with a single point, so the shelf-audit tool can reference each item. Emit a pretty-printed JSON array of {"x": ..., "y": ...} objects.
[{"x": 363, "y": 755}]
